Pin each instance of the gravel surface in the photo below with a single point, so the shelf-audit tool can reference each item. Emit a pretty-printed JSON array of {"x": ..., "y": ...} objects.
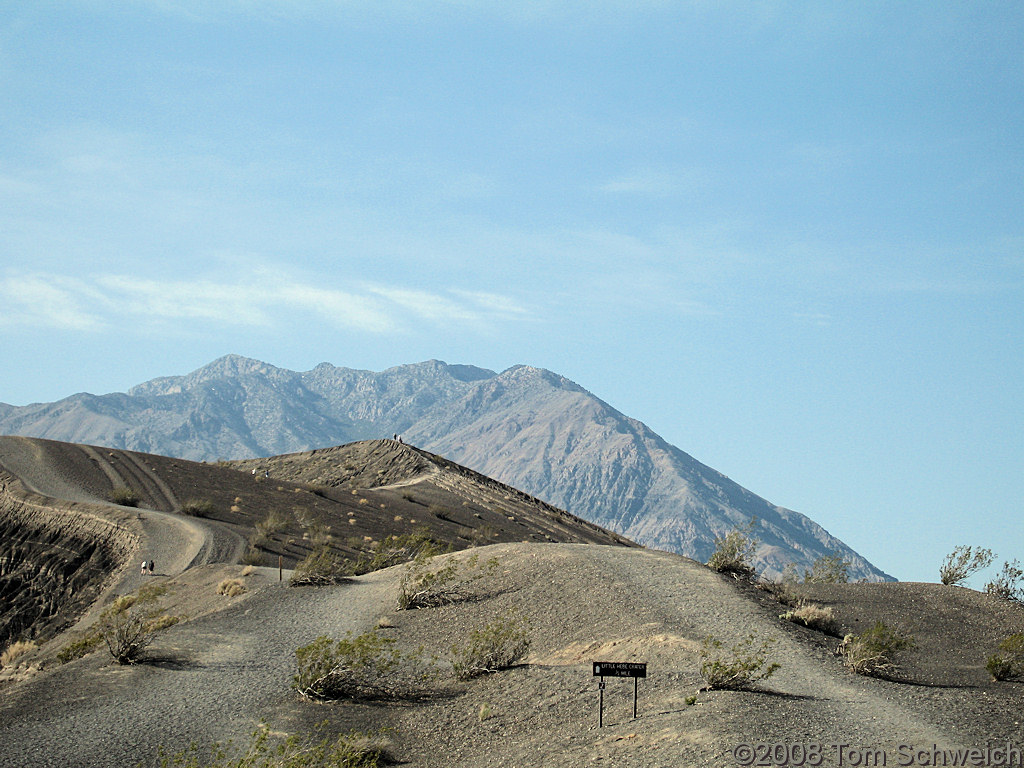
[{"x": 216, "y": 676}]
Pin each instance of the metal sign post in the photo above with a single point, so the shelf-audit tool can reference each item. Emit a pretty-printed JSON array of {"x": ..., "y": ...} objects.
[{"x": 636, "y": 670}]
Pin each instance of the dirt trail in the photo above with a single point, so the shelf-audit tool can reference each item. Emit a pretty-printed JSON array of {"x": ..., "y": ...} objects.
[
  {"x": 73, "y": 473},
  {"x": 222, "y": 673}
]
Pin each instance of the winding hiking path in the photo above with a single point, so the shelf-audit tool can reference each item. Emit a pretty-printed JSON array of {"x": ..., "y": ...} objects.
[{"x": 71, "y": 473}]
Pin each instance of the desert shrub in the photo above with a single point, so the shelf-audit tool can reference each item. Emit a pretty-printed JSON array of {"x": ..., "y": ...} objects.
[
  {"x": 1007, "y": 585},
  {"x": 122, "y": 603},
  {"x": 1008, "y": 660},
  {"x": 873, "y": 652},
  {"x": 348, "y": 750},
  {"x": 304, "y": 516},
  {"x": 398, "y": 548},
  {"x": 252, "y": 556},
  {"x": 125, "y": 496},
  {"x": 150, "y": 591},
  {"x": 828, "y": 569},
  {"x": 126, "y": 633},
  {"x": 161, "y": 621},
  {"x": 813, "y": 616},
  {"x": 739, "y": 666},
  {"x": 198, "y": 508},
  {"x": 733, "y": 552},
  {"x": 483, "y": 535},
  {"x": 428, "y": 583},
  {"x": 425, "y": 584},
  {"x": 78, "y": 648},
  {"x": 231, "y": 587},
  {"x": 318, "y": 568},
  {"x": 319, "y": 534},
  {"x": 367, "y": 664},
  {"x": 501, "y": 644},
  {"x": 962, "y": 562},
  {"x": 15, "y": 651}
]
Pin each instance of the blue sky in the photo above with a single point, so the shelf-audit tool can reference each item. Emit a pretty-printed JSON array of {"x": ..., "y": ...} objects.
[{"x": 788, "y": 237}]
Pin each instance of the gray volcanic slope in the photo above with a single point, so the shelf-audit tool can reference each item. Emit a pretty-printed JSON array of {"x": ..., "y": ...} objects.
[{"x": 527, "y": 427}]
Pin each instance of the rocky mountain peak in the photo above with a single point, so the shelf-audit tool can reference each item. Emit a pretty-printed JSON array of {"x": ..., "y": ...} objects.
[{"x": 528, "y": 427}]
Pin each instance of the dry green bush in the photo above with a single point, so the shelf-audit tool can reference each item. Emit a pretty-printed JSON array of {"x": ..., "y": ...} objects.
[
  {"x": 501, "y": 644},
  {"x": 198, "y": 508},
  {"x": 814, "y": 616},
  {"x": 252, "y": 556},
  {"x": 828, "y": 569},
  {"x": 347, "y": 750},
  {"x": 319, "y": 534},
  {"x": 733, "y": 552},
  {"x": 231, "y": 587},
  {"x": 79, "y": 648},
  {"x": 873, "y": 652},
  {"x": 962, "y": 562},
  {"x": 366, "y": 665},
  {"x": 126, "y": 633},
  {"x": 1008, "y": 660},
  {"x": 739, "y": 666},
  {"x": 304, "y": 516},
  {"x": 320, "y": 568},
  {"x": 1007, "y": 585},
  {"x": 429, "y": 582},
  {"x": 125, "y": 496},
  {"x": 398, "y": 548},
  {"x": 274, "y": 522},
  {"x": 15, "y": 651}
]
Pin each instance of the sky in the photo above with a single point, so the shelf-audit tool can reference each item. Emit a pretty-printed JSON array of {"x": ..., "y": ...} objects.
[{"x": 788, "y": 237}]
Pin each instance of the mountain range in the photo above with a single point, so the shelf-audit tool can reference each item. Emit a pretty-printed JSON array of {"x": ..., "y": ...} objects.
[{"x": 527, "y": 427}]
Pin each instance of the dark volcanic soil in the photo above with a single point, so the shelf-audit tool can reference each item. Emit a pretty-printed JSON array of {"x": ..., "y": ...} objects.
[{"x": 215, "y": 675}]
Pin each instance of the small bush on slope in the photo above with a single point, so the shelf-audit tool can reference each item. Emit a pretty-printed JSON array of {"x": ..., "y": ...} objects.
[
  {"x": 813, "y": 616},
  {"x": 733, "y": 552},
  {"x": 828, "y": 569},
  {"x": 737, "y": 667},
  {"x": 350, "y": 750},
  {"x": 1008, "y": 661},
  {"x": 873, "y": 652},
  {"x": 962, "y": 562},
  {"x": 198, "y": 508},
  {"x": 427, "y": 583},
  {"x": 362, "y": 665},
  {"x": 231, "y": 587},
  {"x": 15, "y": 651},
  {"x": 501, "y": 644},
  {"x": 79, "y": 648},
  {"x": 1007, "y": 585},
  {"x": 320, "y": 567},
  {"x": 125, "y": 496},
  {"x": 127, "y": 626}
]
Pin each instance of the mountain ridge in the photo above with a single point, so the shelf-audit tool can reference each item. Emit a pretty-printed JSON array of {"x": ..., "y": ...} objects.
[{"x": 528, "y": 427}]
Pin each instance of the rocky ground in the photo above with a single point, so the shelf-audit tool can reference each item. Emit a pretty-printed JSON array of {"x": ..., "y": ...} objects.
[{"x": 216, "y": 675}]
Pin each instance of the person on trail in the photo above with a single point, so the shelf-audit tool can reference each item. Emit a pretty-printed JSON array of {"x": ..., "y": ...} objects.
[
  {"x": 144, "y": 565},
  {"x": 150, "y": 567}
]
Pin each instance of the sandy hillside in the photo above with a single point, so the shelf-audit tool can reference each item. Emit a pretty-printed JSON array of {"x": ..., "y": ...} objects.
[{"x": 217, "y": 674}]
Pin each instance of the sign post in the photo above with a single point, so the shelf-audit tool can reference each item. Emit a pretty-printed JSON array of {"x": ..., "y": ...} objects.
[{"x": 636, "y": 670}]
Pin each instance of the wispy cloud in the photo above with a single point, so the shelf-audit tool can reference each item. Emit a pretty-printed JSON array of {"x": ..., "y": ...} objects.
[
  {"x": 266, "y": 299},
  {"x": 49, "y": 302},
  {"x": 642, "y": 182}
]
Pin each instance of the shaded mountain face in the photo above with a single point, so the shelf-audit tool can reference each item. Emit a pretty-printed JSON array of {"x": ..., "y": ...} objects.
[{"x": 527, "y": 427}]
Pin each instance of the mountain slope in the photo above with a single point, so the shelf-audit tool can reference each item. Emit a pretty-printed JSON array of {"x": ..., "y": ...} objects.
[{"x": 526, "y": 427}]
